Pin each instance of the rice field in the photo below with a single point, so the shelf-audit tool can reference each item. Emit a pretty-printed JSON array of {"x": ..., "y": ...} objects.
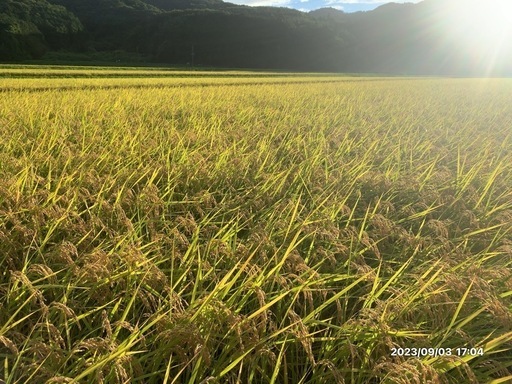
[{"x": 226, "y": 227}]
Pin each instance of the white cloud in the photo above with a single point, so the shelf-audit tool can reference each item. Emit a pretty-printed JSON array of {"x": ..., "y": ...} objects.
[
  {"x": 377, "y": 1},
  {"x": 338, "y": 4},
  {"x": 261, "y": 3}
]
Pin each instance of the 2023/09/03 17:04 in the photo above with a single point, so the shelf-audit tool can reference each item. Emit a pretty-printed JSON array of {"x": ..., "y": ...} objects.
[{"x": 435, "y": 352}]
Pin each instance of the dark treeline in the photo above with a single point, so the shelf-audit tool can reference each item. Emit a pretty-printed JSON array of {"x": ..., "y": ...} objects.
[{"x": 395, "y": 38}]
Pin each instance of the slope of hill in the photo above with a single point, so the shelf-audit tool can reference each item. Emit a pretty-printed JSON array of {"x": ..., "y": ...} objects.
[
  {"x": 28, "y": 28},
  {"x": 171, "y": 5}
]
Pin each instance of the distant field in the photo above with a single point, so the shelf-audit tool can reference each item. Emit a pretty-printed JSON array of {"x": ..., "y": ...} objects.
[
  {"x": 39, "y": 78},
  {"x": 230, "y": 227}
]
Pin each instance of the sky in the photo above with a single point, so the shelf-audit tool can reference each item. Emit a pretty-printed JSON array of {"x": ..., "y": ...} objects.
[{"x": 309, "y": 5}]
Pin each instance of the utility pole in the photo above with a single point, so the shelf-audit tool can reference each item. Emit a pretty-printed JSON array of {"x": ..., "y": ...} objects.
[{"x": 192, "y": 54}]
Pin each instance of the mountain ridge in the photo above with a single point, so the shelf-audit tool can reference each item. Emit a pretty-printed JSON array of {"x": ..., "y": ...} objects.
[{"x": 394, "y": 38}]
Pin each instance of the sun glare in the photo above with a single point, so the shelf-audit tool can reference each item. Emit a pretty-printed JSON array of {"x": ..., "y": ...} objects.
[
  {"x": 483, "y": 28},
  {"x": 492, "y": 19}
]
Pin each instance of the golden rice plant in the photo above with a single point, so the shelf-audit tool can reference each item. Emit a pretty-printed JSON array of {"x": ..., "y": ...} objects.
[{"x": 164, "y": 227}]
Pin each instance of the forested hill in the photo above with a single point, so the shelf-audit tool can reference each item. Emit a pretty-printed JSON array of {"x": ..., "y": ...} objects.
[{"x": 394, "y": 38}]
